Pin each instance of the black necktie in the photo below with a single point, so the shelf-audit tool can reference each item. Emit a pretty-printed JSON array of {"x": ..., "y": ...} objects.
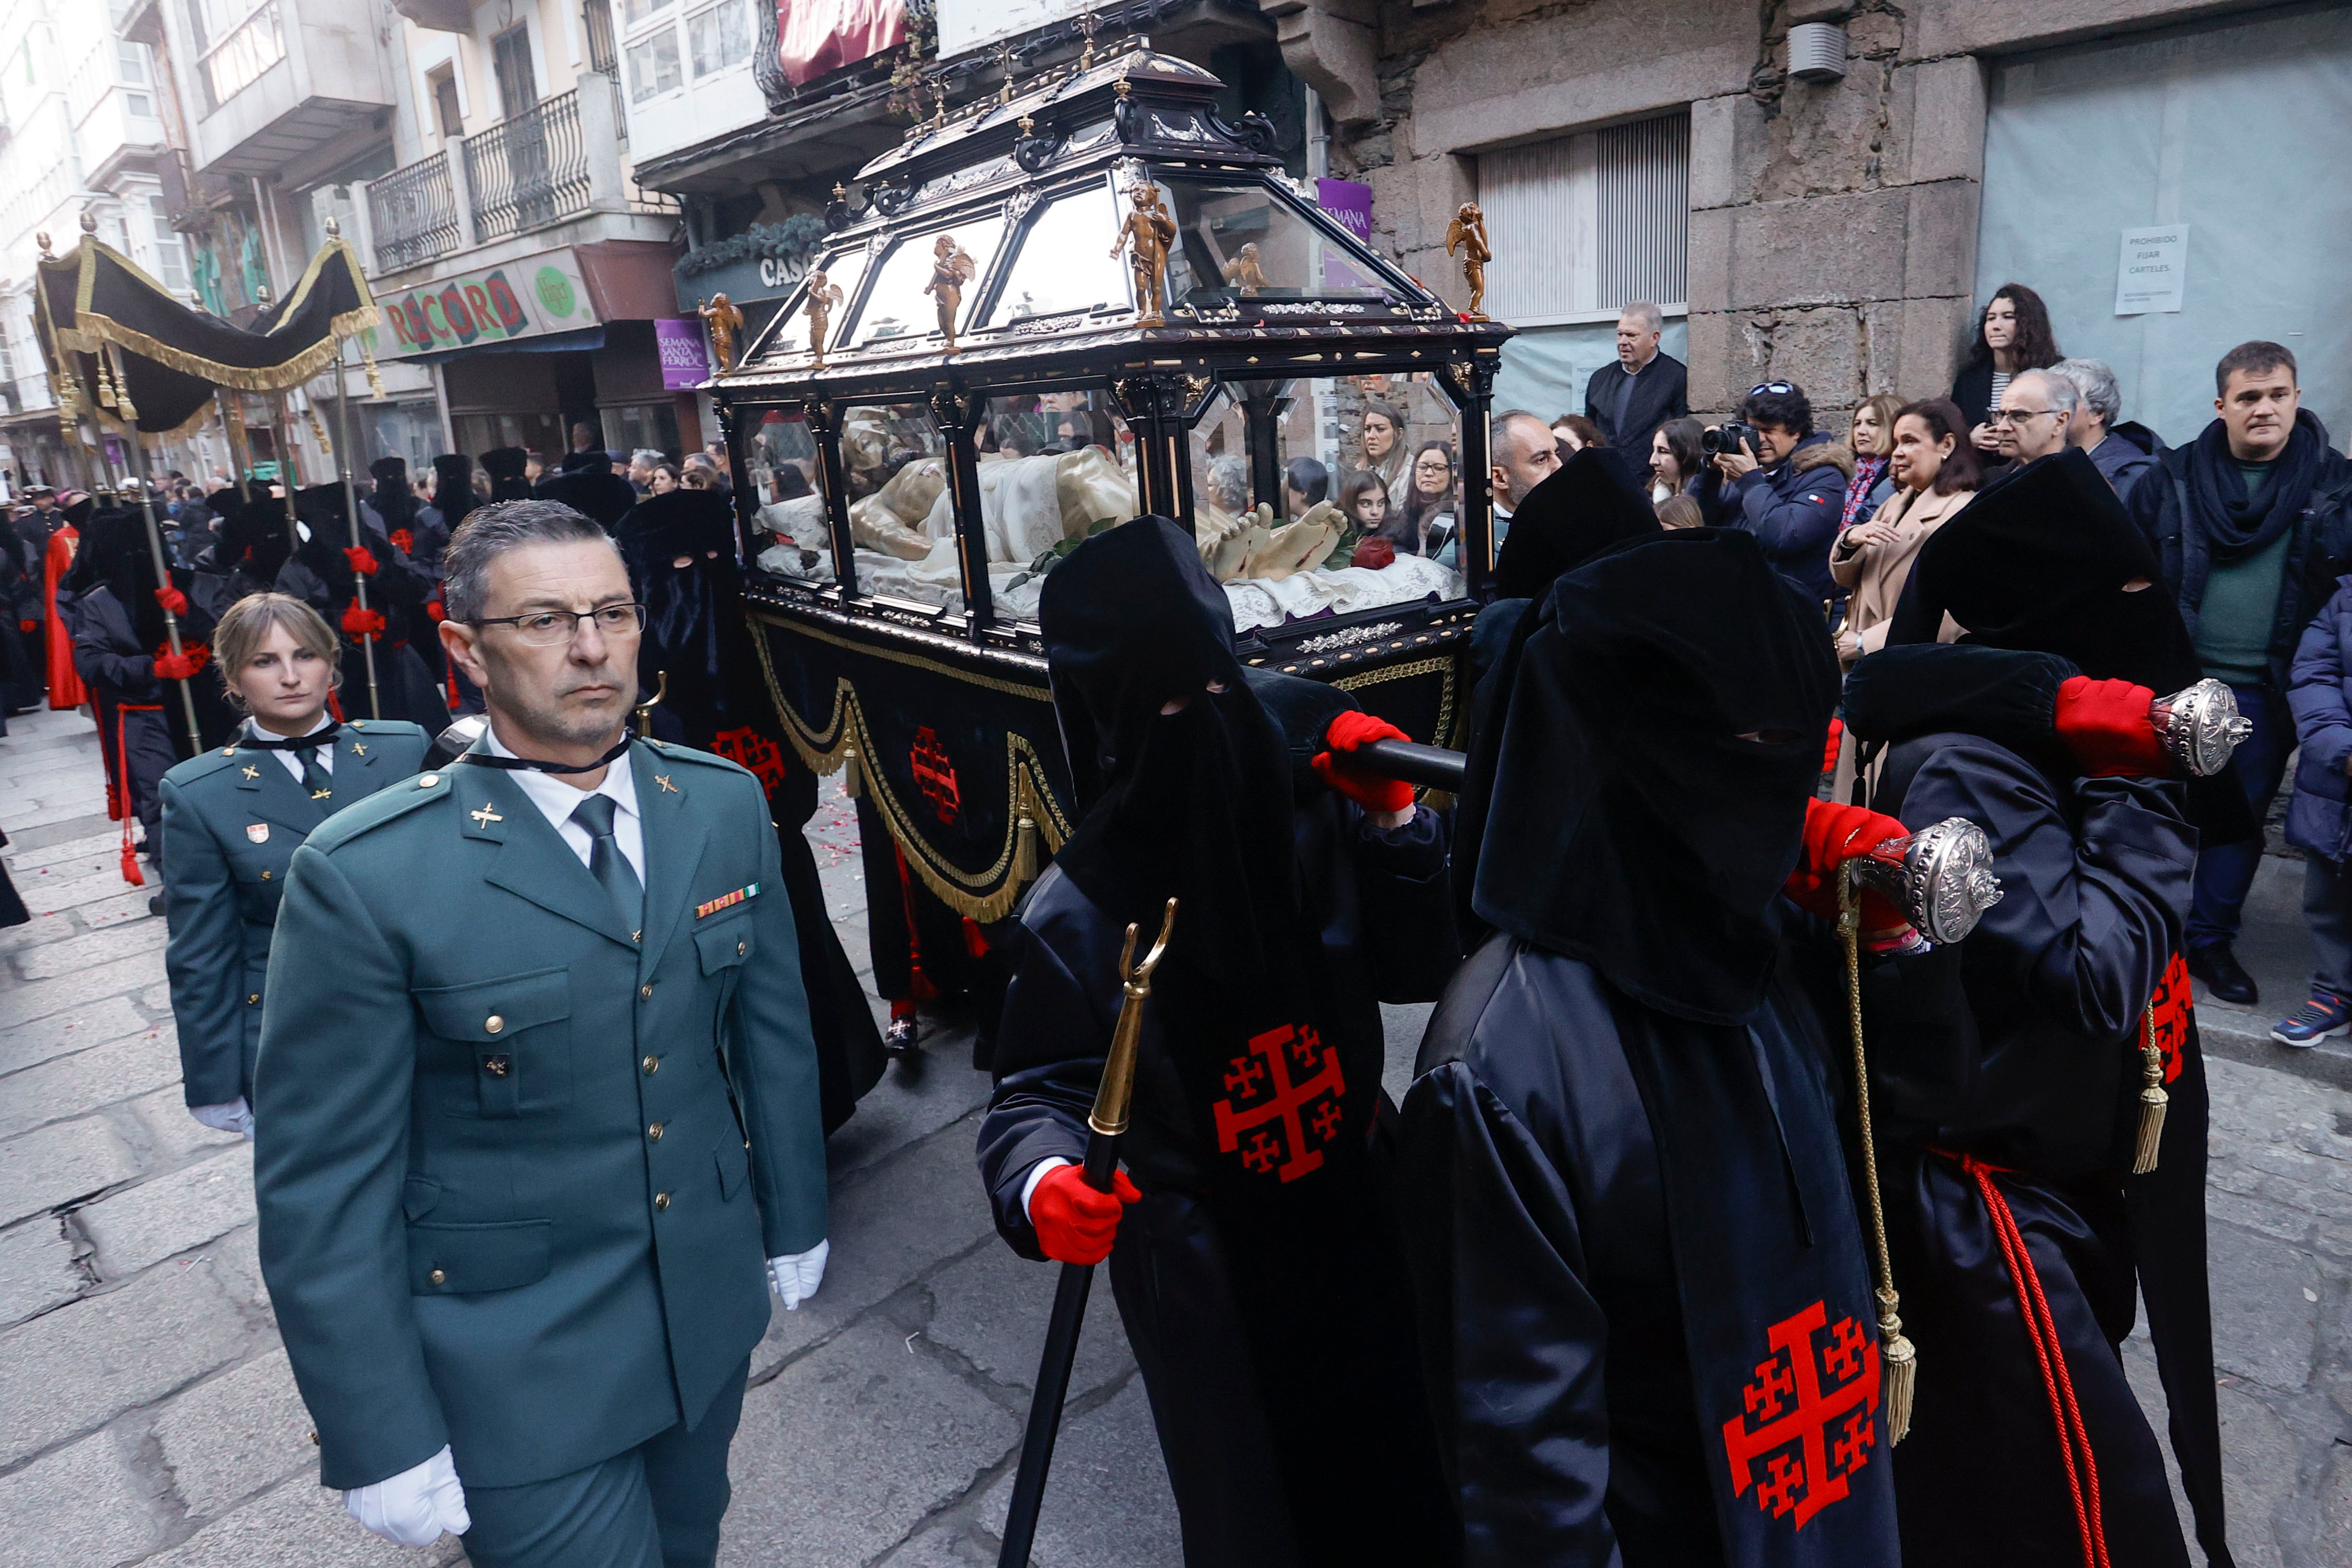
[
  {"x": 317, "y": 779},
  {"x": 608, "y": 864}
]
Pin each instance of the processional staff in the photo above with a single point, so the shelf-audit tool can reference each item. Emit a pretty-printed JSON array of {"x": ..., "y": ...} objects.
[
  {"x": 1106, "y": 1125},
  {"x": 351, "y": 493}
]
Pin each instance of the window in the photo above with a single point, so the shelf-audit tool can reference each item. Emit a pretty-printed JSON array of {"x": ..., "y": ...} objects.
[
  {"x": 1064, "y": 263},
  {"x": 518, "y": 83},
  {"x": 446, "y": 113},
  {"x": 636, "y": 11},
  {"x": 130, "y": 65},
  {"x": 249, "y": 41},
  {"x": 719, "y": 37},
  {"x": 1584, "y": 224},
  {"x": 171, "y": 253},
  {"x": 1227, "y": 234},
  {"x": 653, "y": 65},
  {"x": 902, "y": 304}
]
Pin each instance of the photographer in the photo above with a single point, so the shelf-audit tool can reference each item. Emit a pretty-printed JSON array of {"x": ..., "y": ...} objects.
[{"x": 1773, "y": 475}]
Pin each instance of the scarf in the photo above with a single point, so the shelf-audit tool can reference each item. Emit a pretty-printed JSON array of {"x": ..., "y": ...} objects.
[
  {"x": 1867, "y": 472},
  {"x": 2237, "y": 524}
]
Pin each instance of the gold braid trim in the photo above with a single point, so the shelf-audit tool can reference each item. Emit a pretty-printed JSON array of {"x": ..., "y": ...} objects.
[
  {"x": 1451, "y": 668},
  {"x": 91, "y": 328},
  {"x": 844, "y": 739}
]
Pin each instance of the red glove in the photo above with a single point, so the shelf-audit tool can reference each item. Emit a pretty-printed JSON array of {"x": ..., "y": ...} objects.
[
  {"x": 361, "y": 622},
  {"x": 2106, "y": 724},
  {"x": 362, "y": 560},
  {"x": 1834, "y": 835},
  {"x": 1837, "y": 743},
  {"x": 173, "y": 599},
  {"x": 433, "y": 610},
  {"x": 1370, "y": 790},
  {"x": 180, "y": 666},
  {"x": 1074, "y": 1223},
  {"x": 406, "y": 540},
  {"x": 1374, "y": 554},
  {"x": 29, "y": 627}
]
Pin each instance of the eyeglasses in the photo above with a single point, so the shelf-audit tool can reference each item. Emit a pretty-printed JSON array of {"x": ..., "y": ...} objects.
[
  {"x": 552, "y": 628},
  {"x": 1778, "y": 389},
  {"x": 2013, "y": 415}
]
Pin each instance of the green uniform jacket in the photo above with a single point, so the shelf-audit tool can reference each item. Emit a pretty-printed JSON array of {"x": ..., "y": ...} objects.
[
  {"x": 233, "y": 819},
  {"x": 519, "y": 1171}
]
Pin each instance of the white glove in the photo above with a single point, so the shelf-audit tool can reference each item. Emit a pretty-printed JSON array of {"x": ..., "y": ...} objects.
[
  {"x": 414, "y": 1506},
  {"x": 229, "y": 1116},
  {"x": 796, "y": 1275}
]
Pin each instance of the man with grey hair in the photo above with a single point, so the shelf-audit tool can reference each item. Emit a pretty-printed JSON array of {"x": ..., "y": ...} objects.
[
  {"x": 1644, "y": 389},
  {"x": 536, "y": 1101},
  {"x": 2035, "y": 416},
  {"x": 2120, "y": 451},
  {"x": 642, "y": 464}
]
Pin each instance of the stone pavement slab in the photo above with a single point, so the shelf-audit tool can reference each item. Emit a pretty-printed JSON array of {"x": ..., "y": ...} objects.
[{"x": 85, "y": 1506}]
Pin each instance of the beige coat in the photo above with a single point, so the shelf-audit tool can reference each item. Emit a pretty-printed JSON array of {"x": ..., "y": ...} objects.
[{"x": 1876, "y": 575}]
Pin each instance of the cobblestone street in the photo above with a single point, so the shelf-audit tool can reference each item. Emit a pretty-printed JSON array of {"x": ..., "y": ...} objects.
[{"x": 150, "y": 1416}]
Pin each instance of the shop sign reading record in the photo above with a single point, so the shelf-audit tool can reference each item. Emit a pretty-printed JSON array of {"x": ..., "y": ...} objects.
[{"x": 520, "y": 298}]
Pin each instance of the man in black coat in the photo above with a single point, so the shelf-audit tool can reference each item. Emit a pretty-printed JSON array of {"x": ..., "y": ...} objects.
[
  {"x": 1252, "y": 1254},
  {"x": 1645, "y": 387},
  {"x": 2251, "y": 524}
]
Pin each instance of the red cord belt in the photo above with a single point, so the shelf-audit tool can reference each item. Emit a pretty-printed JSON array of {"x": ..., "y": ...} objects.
[{"x": 2042, "y": 1333}]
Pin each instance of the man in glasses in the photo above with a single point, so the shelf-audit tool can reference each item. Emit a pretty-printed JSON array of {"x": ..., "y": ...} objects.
[
  {"x": 2036, "y": 415},
  {"x": 537, "y": 1098}
]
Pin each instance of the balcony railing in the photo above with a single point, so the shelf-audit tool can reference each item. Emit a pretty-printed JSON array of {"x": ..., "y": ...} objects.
[
  {"x": 412, "y": 214},
  {"x": 527, "y": 172}
]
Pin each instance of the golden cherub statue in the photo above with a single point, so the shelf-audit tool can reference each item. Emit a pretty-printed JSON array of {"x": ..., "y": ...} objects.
[
  {"x": 951, "y": 267},
  {"x": 724, "y": 321},
  {"x": 823, "y": 299},
  {"x": 1244, "y": 271},
  {"x": 1145, "y": 236},
  {"x": 1468, "y": 230}
]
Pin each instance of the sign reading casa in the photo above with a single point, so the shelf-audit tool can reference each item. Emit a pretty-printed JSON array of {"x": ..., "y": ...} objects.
[{"x": 522, "y": 299}]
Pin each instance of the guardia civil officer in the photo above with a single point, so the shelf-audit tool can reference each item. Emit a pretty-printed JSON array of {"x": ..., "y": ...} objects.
[
  {"x": 233, "y": 819},
  {"x": 536, "y": 1104}
]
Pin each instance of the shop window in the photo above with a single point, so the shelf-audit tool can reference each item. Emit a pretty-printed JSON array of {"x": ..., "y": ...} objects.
[
  {"x": 641, "y": 427},
  {"x": 719, "y": 36},
  {"x": 653, "y": 65}
]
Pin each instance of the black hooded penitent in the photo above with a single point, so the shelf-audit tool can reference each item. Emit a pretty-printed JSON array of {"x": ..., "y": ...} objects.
[
  {"x": 453, "y": 488},
  {"x": 2045, "y": 561},
  {"x": 1581, "y": 511},
  {"x": 1664, "y": 726}
]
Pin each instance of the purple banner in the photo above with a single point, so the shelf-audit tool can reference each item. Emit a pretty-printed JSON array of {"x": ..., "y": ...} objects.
[
  {"x": 1349, "y": 203},
  {"x": 684, "y": 364}
]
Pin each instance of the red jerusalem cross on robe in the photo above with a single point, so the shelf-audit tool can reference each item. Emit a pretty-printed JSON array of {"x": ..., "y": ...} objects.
[
  {"x": 1283, "y": 1102},
  {"x": 1808, "y": 1415}
]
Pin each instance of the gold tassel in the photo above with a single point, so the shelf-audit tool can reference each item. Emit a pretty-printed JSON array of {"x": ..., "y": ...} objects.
[
  {"x": 1899, "y": 1365},
  {"x": 319, "y": 433},
  {"x": 1899, "y": 1359},
  {"x": 105, "y": 384},
  {"x": 1024, "y": 851},
  {"x": 122, "y": 397},
  {"x": 849, "y": 772},
  {"x": 2152, "y": 1097},
  {"x": 374, "y": 376}
]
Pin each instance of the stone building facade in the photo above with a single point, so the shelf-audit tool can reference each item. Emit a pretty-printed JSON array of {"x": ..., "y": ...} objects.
[{"x": 1832, "y": 226}]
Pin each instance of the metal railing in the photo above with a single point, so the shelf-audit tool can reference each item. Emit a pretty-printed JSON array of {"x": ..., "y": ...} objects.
[
  {"x": 413, "y": 215},
  {"x": 527, "y": 172}
]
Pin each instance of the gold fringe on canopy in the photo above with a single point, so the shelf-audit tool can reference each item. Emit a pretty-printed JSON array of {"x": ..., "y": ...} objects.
[{"x": 90, "y": 329}]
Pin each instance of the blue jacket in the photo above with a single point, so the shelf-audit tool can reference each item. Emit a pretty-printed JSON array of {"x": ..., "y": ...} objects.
[
  {"x": 2128, "y": 450},
  {"x": 2319, "y": 690},
  {"x": 1792, "y": 508}
]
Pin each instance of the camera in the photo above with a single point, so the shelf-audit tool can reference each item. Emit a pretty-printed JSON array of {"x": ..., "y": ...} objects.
[{"x": 1730, "y": 436}]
